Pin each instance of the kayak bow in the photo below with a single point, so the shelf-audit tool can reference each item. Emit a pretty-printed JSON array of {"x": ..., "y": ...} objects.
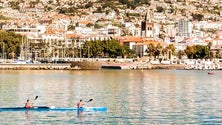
[{"x": 45, "y": 108}]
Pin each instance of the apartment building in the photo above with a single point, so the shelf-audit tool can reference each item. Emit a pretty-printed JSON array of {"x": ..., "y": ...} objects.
[{"x": 185, "y": 28}]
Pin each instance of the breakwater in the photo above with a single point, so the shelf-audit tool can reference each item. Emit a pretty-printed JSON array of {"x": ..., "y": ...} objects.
[
  {"x": 86, "y": 65},
  {"x": 47, "y": 66},
  {"x": 97, "y": 65},
  {"x": 139, "y": 66},
  {"x": 77, "y": 65}
]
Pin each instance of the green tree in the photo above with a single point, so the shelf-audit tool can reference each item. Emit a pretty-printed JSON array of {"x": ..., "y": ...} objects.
[
  {"x": 190, "y": 51},
  {"x": 154, "y": 51},
  {"x": 159, "y": 9},
  {"x": 71, "y": 27},
  {"x": 201, "y": 52},
  {"x": 198, "y": 17},
  {"x": 197, "y": 52},
  {"x": 172, "y": 48},
  {"x": 89, "y": 25},
  {"x": 158, "y": 50},
  {"x": 180, "y": 54},
  {"x": 14, "y": 5},
  {"x": 89, "y": 4},
  {"x": 150, "y": 49},
  {"x": 10, "y": 44},
  {"x": 209, "y": 45},
  {"x": 106, "y": 48}
]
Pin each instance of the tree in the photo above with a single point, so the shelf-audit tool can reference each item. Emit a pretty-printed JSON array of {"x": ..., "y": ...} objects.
[
  {"x": 198, "y": 17},
  {"x": 10, "y": 44},
  {"x": 172, "y": 48},
  {"x": 89, "y": 25},
  {"x": 159, "y": 9},
  {"x": 88, "y": 5},
  {"x": 50, "y": 1},
  {"x": 158, "y": 50},
  {"x": 201, "y": 52},
  {"x": 106, "y": 48},
  {"x": 209, "y": 45},
  {"x": 189, "y": 52},
  {"x": 197, "y": 52},
  {"x": 150, "y": 49},
  {"x": 14, "y": 5},
  {"x": 154, "y": 51},
  {"x": 180, "y": 54},
  {"x": 71, "y": 27}
]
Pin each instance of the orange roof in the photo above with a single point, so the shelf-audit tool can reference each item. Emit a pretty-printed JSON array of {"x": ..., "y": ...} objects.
[
  {"x": 50, "y": 32},
  {"x": 130, "y": 39},
  {"x": 139, "y": 40},
  {"x": 218, "y": 39},
  {"x": 84, "y": 22},
  {"x": 72, "y": 36},
  {"x": 60, "y": 16}
]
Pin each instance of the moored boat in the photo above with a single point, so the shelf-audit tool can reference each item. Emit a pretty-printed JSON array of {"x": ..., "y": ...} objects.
[{"x": 211, "y": 73}]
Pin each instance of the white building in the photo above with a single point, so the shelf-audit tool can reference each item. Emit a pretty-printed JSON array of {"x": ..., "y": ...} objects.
[
  {"x": 185, "y": 28},
  {"x": 32, "y": 32}
]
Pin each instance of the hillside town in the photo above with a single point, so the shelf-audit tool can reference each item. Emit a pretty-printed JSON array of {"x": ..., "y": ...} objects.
[{"x": 179, "y": 22}]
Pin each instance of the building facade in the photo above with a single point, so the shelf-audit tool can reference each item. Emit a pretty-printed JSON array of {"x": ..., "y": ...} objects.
[{"x": 184, "y": 28}]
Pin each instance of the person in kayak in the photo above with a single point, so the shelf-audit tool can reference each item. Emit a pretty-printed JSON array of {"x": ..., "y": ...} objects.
[
  {"x": 80, "y": 104},
  {"x": 28, "y": 104}
]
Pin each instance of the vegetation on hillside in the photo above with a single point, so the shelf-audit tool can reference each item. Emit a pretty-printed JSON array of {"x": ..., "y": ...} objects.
[{"x": 10, "y": 44}]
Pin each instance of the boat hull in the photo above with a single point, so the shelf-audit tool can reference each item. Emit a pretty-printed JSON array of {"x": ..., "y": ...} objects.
[
  {"x": 45, "y": 108},
  {"x": 211, "y": 73}
]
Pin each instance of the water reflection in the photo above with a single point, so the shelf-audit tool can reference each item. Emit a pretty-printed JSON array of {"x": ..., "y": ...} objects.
[{"x": 27, "y": 115}]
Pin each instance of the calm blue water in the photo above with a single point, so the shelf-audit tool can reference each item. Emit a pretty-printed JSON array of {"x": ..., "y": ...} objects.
[{"x": 131, "y": 96}]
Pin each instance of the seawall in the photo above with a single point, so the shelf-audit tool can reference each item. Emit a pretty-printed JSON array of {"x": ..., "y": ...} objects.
[
  {"x": 96, "y": 65},
  {"x": 47, "y": 66}
]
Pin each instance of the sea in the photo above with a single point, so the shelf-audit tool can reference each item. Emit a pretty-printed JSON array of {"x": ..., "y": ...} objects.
[{"x": 133, "y": 97}]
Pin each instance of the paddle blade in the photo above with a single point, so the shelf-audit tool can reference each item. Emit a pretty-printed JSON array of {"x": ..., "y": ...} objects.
[
  {"x": 90, "y": 100},
  {"x": 36, "y": 97}
]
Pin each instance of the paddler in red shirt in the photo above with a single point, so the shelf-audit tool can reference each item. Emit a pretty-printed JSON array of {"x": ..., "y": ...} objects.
[{"x": 28, "y": 104}]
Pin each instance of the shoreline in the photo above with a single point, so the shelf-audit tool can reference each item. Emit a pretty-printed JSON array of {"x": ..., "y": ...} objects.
[
  {"x": 100, "y": 65},
  {"x": 47, "y": 66}
]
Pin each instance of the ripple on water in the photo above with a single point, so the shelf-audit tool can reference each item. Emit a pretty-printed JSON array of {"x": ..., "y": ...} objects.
[{"x": 132, "y": 97}]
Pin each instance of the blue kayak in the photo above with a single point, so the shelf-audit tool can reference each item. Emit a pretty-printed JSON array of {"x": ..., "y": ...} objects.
[{"x": 45, "y": 108}]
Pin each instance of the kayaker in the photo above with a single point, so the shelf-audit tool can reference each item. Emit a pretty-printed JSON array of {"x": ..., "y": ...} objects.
[
  {"x": 28, "y": 104},
  {"x": 80, "y": 104}
]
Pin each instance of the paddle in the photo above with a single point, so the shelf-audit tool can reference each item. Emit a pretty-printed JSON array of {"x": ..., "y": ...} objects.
[
  {"x": 79, "y": 104},
  {"x": 36, "y": 97},
  {"x": 89, "y": 100}
]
